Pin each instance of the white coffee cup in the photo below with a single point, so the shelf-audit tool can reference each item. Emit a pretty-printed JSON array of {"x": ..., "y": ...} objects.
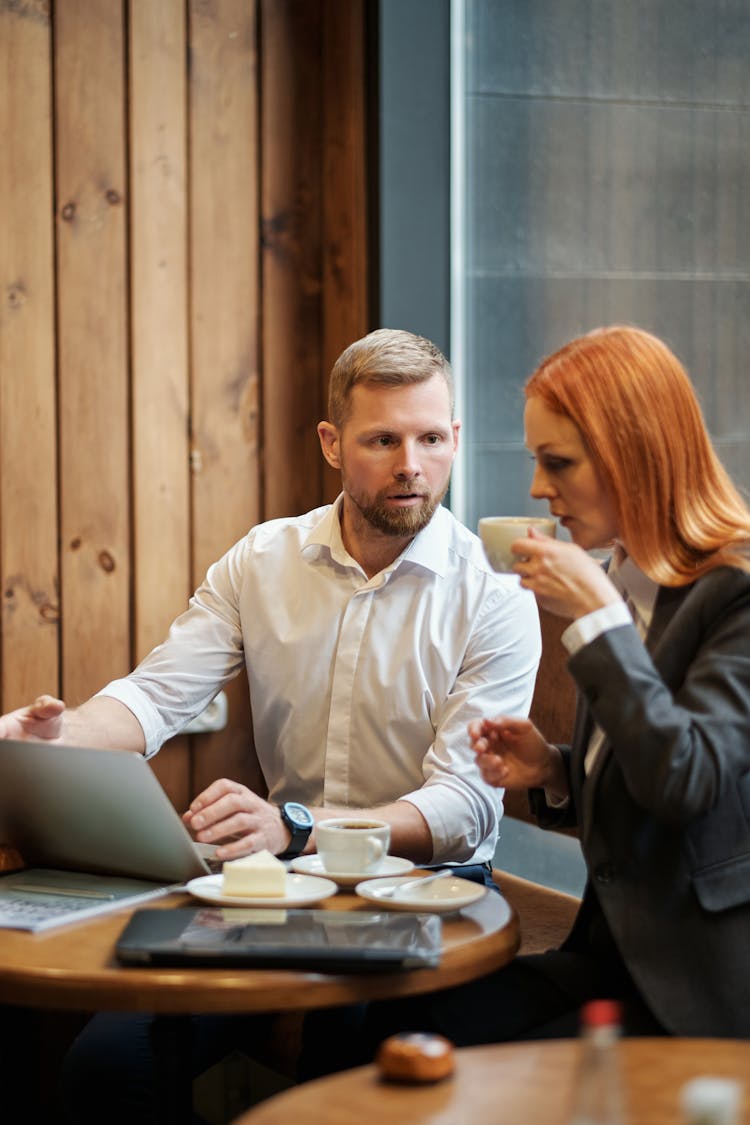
[
  {"x": 352, "y": 845},
  {"x": 498, "y": 532}
]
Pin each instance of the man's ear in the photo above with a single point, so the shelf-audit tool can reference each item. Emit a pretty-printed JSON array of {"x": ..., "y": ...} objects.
[{"x": 329, "y": 443}]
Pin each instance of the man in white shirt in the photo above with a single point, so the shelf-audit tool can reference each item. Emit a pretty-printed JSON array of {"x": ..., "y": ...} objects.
[{"x": 372, "y": 631}]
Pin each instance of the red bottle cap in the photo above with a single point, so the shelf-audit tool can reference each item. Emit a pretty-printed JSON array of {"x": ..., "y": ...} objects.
[{"x": 601, "y": 1013}]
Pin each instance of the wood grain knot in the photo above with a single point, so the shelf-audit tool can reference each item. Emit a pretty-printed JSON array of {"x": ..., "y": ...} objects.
[
  {"x": 69, "y": 212},
  {"x": 16, "y": 295},
  {"x": 106, "y": 562}
]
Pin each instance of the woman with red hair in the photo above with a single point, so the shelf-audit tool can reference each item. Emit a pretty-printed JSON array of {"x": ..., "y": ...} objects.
[{"x": 657, "y": 775}]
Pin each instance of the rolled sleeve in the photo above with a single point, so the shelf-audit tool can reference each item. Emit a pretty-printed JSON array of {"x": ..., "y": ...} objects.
[
  {"x": 145, "y": 712},
  {"x": 201, "y": 654},
  {"x": 497, "y": 676}
]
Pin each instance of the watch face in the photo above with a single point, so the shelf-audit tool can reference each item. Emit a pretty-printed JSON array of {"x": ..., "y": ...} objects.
[{"x": 299, "y": 814}]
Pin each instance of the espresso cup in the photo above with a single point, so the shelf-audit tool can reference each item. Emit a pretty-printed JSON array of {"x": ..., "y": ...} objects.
[
  {"x": 498, "y": 532},
  {"x": 350, "y": 845}
]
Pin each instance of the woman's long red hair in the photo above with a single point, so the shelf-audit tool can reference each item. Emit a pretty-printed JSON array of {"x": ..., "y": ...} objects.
[{"x": 678, "y": 511}]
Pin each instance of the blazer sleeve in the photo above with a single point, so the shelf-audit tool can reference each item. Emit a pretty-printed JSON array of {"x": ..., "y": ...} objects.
[
  {"x": 677, "y": 721},
  {"x": 555, "y": 816}
]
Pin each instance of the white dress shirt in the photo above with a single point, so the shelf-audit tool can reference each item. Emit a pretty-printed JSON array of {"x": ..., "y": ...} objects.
[{"x": 361, "y": 689}]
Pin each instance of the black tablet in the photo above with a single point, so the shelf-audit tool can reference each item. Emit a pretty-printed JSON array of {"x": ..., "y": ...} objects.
[{"x": 322, "y": 940}]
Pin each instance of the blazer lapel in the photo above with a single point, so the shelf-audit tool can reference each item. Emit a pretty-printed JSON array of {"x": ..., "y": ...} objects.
[{"x": 668, "y": 601}]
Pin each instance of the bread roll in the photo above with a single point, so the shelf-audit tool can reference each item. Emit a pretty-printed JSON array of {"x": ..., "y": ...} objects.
[{"x": 416, "y": 1057}]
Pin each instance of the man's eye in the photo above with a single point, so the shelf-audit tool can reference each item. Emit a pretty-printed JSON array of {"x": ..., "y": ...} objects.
[
  {"x": 384, "y": 440},
  {"x": 432, "y": 439}
]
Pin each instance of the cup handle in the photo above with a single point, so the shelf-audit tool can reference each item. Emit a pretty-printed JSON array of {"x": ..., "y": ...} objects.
[{"x": 375, "y": 850}]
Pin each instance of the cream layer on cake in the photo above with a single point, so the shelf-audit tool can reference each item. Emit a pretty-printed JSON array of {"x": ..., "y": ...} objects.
[{"x": 260, "y": 875}]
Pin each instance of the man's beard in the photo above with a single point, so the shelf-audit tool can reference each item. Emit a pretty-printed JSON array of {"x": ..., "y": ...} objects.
[{"x": 399, "y": 522}]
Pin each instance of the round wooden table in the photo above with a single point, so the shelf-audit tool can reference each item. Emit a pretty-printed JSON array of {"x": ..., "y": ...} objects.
[
  {"x": 74, "y": 968},
  {"x": 517, "y": 1082}
]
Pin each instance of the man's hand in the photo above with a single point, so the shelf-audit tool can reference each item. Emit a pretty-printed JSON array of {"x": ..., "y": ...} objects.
[
  {"x": 231, "y": 815},
  {"x": 41, "y": 721},
  {"x": 512, "y": 754}
]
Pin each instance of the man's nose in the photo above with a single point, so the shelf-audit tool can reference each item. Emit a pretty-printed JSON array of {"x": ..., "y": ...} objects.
[{"x": 407, "y": 463}]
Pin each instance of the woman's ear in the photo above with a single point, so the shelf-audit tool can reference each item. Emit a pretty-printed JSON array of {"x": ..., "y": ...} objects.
[{"x": 329, "y": 443}]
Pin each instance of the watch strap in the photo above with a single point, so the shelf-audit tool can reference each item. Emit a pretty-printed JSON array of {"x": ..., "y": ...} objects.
[{"x": 300, "y": 832}]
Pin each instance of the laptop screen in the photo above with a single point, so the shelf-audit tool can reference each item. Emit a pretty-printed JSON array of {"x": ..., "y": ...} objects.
[{"x": 101, "y": 811}]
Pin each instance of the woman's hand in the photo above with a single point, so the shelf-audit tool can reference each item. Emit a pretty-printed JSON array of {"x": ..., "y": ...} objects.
[
  {"x": 565, "y": 580},
  {"x": 232, "y": 816},
  {"x": 513, "y": 754}
]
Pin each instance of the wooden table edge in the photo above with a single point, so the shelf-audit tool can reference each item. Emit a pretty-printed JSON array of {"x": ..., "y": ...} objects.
[{"x": 178, "y": 991}]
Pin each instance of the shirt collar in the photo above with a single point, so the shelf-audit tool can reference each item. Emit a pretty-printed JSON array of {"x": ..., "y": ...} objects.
[
  {"x": 327, "y": 533},
  {"x": 641, "y": 590},
  {"x": 429, "y": 548}
]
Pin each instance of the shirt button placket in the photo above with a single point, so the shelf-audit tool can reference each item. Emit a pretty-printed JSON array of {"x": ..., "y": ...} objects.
[{"x": 353, "y": 625}]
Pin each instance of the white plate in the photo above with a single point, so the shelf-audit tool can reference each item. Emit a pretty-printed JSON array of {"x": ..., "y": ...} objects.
[
  {"x": 313, "y": 865},
  {"x": 301, "y": 890},
  {"x": 440, "y": 897}
]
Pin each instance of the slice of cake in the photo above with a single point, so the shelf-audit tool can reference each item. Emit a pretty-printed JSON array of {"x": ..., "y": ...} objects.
[{"x": 260, "y": 875}]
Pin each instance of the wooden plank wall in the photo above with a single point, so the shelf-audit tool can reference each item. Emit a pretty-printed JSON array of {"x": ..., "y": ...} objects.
[
  {"x": 29, "y": 565},
  {"x": 183, "y": 255}
]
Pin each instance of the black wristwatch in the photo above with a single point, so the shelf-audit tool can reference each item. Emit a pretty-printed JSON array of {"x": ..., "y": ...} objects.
[{"x": 300, "y": 823}]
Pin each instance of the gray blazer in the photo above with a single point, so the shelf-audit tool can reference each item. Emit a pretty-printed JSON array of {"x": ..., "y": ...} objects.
[{"x": 664, "y": 816}]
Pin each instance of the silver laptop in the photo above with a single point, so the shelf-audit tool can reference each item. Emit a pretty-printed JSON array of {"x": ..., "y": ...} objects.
[{"x": 98, "y": 812}]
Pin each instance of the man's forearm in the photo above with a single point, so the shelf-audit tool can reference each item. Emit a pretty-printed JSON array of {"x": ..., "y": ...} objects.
[
  {"x": 410, "y": 834},
  {"x": 103, "y": 723}
]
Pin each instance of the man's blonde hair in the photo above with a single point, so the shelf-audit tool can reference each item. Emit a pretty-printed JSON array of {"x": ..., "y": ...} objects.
[{"x": 388, "y": 357}]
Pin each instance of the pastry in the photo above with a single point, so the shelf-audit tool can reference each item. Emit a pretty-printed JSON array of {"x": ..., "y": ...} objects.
[
  {"x": 416, "y": 1057},
  {"x": 260, "y": 875}
]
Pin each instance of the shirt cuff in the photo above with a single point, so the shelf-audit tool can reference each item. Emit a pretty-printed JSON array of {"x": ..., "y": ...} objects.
[{"x": 586, "y": 629}]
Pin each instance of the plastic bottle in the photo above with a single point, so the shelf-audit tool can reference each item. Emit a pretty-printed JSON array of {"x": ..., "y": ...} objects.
[{"x": 598, "y": 1097}]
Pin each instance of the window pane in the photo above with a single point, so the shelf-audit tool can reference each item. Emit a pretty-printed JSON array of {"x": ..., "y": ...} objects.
[{"x": 604, "y": 152}]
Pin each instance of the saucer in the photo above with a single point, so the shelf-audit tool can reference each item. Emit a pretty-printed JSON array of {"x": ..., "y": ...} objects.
[
  {"x": 439, "y": 897},
  {"x": 313, "y": 865},
  {"x": 301, "y": 890}
]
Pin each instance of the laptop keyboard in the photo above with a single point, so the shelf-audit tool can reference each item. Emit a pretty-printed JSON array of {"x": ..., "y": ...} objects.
[{"x": 21, "y": 910}]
